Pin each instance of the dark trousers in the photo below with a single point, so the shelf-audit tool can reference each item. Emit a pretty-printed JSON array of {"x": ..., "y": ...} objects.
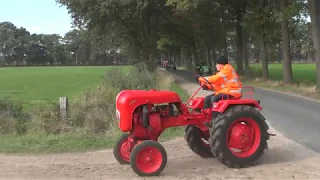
[{"x": 210, "y": 99}]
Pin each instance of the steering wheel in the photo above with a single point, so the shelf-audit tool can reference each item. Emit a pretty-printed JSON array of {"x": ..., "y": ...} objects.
[{"x": 207, "y": 82}]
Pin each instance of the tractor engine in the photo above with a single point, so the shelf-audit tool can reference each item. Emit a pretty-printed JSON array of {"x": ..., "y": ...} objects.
[
  {"x": 168, "y": 109},
  {"x": 149, "y": 116},
  {"x": 144, "y": 108}
]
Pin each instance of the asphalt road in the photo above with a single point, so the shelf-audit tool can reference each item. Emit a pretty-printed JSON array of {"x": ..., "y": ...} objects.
[{"x": 297, "y": 118}]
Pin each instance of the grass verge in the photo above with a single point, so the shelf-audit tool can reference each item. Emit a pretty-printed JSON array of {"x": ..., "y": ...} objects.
[
  {"x": 304, "y": 78},
  {"x": 307, "y": 90},
  {"x": 35, "y": 144},
  {"x": 85, "y": 138},
  {"x": 302, "y": 73}
]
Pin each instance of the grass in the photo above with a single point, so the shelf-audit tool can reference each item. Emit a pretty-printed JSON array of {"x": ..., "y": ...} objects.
[
  {"x": 302, "y": 73},
  {"x": 35, "y": 144},
  {"x": 47, "y": 83},
  {"x": 304, "y": 79},
  {"x": 75, "y": 141}
]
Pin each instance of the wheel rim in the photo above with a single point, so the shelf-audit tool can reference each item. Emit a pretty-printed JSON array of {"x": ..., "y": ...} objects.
[
  {"x": 205, "y": 143},
  {"x": 204, "y": 138},
  {"x": 243, "y": 137},
  {"x": 149, "y": 159},
  {"x": 124, "y": 150}
]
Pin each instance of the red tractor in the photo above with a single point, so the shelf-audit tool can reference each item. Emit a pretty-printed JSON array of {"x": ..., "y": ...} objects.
[{"x": 238, "y": 137}]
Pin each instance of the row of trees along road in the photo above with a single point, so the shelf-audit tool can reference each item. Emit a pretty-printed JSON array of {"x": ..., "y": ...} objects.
[
  {"x": 194, "y": 30},
  {"x": 187, "y": 31},
  {"x": 19, "y": 47}
]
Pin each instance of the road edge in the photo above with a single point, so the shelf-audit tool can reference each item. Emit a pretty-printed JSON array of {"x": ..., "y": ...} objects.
[{"x": 296, "y": 95}]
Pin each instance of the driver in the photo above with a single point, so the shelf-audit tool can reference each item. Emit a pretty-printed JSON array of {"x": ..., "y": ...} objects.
[{"x": 226, "y": 83}]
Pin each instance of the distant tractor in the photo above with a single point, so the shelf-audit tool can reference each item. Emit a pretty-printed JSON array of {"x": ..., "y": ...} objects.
[{"x": 171, "y": 66}]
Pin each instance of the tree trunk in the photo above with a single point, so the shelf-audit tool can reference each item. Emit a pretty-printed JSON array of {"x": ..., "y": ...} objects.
[
  {"x": 195, "y": 52},
  {"x": 245, "y": 49},
  {"x": 264, "y": 58},
  {"x": 239, "y": 44},
  {"x": 314, "y": 11},
  {"x": 209, "y": 60},
  {"x": 224, "y": 33},
  {"x": 189, "y": 58},
  {"x": 214, "y": 56},
  {"x": 286, "y": 62},
  {"x": 180, "y": 56}
]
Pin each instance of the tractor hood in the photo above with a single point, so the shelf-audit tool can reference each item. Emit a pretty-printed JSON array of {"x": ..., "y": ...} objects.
[{"x": 131, "y": 97}]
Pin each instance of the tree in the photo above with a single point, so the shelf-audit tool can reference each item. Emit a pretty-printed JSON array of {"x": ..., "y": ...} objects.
[
  {"x": 133, "y": 24},
  {"x": 262, "y": 24},
  {"x": 7, "y": 41},
  {"x": 286, "y": 62},
  {"x": 37, "y": 50},
  {"x": 314, "y": 11},
  {"x": 238, "y": 9}
]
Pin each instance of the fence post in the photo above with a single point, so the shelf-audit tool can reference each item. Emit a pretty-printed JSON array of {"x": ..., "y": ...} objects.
[
  {"x": 86, "y": 97},
  {"x": 63, "y": 108}
]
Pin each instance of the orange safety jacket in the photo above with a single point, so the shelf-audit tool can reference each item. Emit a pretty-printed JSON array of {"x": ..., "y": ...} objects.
[{"x": 226, "y": 81}]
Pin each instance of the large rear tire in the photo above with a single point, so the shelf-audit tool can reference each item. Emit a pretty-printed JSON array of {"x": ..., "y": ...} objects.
[
  {"x": 240, "y": 128},
  {"x": 196, "y": 143}
]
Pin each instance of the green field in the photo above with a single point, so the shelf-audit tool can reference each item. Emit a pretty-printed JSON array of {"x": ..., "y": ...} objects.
[
  {"x": 301, "y": 72},
  {"x": 48, "y": 83}
]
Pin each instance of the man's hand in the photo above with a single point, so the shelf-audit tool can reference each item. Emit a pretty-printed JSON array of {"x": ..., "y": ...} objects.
[
  {"x": 204, "y": 87},
  {"x": 201, "y": 80}
]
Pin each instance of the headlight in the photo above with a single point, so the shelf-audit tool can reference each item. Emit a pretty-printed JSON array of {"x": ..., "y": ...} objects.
[{"x": 117, "y": 115}]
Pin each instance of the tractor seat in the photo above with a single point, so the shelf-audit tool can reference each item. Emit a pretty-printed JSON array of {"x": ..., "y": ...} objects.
[
  {"x": 234, "y": 98},
  {"x": 240, "y": 98},
  {"x": 230, "y": 99}
]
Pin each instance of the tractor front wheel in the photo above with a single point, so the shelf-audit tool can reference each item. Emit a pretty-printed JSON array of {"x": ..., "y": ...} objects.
[
  {"x": 148, "y": 158},
  {"x": 196, "y": 143},
  {"x": 121, "y": 150},
  {"x": 239, "y": 136}
]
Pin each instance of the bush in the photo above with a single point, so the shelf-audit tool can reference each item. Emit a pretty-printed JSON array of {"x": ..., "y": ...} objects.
[
  {"x": 12, "y": 118},
  {"x": 92, "y": 113},
  {"x": 137, "y": 77}
]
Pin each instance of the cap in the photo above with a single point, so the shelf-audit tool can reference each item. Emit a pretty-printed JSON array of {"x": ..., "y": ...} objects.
[{"x": 222, "y": 60}]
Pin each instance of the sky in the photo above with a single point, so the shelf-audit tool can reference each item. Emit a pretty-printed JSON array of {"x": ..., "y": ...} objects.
[{"x": 37, "y": 16}]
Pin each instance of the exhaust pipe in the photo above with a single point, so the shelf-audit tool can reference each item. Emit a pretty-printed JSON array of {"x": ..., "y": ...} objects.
[
  {"x": 145, "y": 116},
  {"x": 270, "y": 134}
]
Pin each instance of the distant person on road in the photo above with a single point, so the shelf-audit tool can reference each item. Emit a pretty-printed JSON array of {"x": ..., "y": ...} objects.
[
  {"x": 205, "y": 69},
  {"x": 197, "y": 69},
  {"x": 226, "y": 83}
]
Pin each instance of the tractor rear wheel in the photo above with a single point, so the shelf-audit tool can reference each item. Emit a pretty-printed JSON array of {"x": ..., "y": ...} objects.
[
  {"x": 196, "y": 143},
  {"x": 239, "y": 136}
]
